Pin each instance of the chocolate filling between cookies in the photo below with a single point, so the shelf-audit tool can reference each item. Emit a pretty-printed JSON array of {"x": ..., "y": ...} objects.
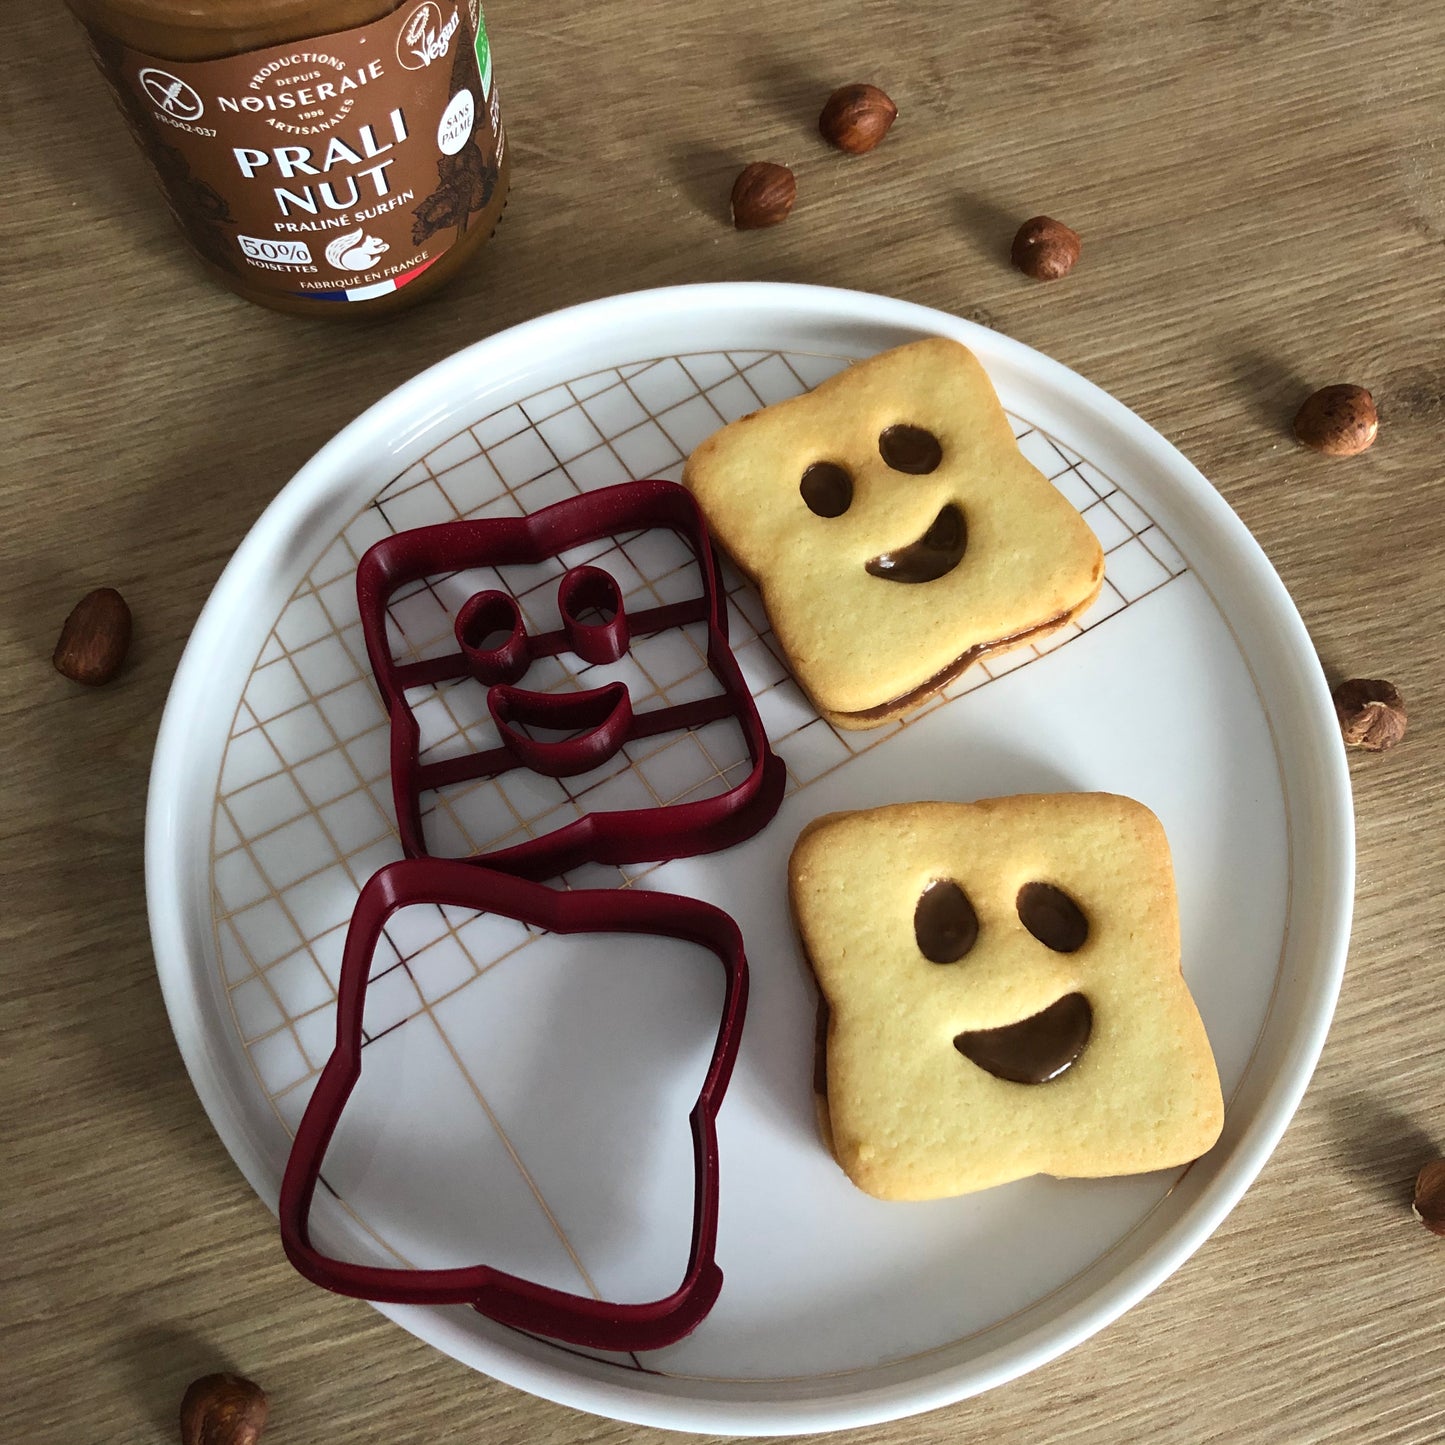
[{"x": 945, "y": 675}]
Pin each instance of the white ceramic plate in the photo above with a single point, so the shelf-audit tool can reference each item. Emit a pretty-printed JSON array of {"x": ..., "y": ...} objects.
[{"x": 523, "y": 1102}]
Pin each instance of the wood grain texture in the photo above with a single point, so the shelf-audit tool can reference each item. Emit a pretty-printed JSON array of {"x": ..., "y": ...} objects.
[{"x": 1261, "y": 192}]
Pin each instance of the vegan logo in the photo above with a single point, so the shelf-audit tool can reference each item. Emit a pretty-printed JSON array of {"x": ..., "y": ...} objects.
[{"x": 425, "y": 36}]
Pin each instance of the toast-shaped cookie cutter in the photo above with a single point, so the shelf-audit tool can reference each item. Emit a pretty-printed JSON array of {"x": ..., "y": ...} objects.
[
  {"x": 495, "y": 648},
  {"x": 506, "y": 1298}
]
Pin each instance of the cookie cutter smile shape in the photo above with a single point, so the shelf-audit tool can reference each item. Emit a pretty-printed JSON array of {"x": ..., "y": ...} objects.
[
  {"x": 495, "y": 648},
  {"x": 510, "y": 1300}
]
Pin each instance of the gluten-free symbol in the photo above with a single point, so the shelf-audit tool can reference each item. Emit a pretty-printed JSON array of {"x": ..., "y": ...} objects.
[{"x": 171, "y": 94}]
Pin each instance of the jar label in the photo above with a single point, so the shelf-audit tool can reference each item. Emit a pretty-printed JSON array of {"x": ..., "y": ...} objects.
[{"x": 333, "y": 169}]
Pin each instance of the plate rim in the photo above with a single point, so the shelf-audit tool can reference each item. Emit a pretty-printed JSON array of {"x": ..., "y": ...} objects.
[{"x": 618, "y": 1398}]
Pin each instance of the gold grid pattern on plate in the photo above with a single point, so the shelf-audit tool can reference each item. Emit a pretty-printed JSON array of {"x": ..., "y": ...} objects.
[{"x": 303, "y": 811}]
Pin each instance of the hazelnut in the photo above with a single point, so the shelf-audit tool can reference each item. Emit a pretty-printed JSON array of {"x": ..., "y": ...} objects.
[
  {"x": 763, "y": 194},
  {"x": 856, "y": 118},
  {"x": 223, "y": 1410},
  {"x": 1045, "y": 249},
  {"x": 1429, "y": 1205},
  {"x": 1339, "y": 421},
  {"x": 1371, "y": 713},
  {"x": 96, "y": 636}
]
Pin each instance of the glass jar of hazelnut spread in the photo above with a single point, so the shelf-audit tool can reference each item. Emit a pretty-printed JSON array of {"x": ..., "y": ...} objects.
[{"x": 322, "y": 156}]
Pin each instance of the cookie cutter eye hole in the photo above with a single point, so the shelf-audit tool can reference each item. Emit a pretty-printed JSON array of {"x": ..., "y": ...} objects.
[
  {"x": 593, "y": 617},
  {"x": 827, "y": 489},
  {"x": 596, "y": 612},
  {"x": 944, "y": 922},
  {"x": 493, "y": 638},
  {"x": 911, "y": 449},
  {"x": 1052, "y": 917}
]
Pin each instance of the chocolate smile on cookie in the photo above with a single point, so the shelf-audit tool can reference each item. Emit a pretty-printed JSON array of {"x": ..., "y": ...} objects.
[
  {"x": 935, "y": 554},
  {"x": 1036, "y": 1049}
]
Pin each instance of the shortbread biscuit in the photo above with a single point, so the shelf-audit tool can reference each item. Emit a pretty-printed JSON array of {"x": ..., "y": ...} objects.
[
  {"x": 1003, "y": 994},
  {"x": 894, "y": 529}
]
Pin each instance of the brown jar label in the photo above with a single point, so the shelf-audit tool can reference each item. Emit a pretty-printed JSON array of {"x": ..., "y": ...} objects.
[{"x": 333, "y": 169}]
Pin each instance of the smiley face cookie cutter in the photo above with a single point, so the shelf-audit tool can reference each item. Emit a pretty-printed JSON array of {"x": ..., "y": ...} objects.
[
  {"x": 509, "y": 1299},
  {"x": 495, "y": 648}
]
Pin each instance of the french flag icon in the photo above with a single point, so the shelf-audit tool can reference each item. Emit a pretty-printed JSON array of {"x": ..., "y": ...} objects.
[{"x": 365, "y": 293}]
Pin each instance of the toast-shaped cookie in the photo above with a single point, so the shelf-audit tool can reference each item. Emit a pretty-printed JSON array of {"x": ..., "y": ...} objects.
[
  {"x": 894, "y": 529},
  {"x": 1003, "y": 994}
]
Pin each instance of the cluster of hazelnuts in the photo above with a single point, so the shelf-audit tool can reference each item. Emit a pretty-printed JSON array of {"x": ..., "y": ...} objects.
[
  {"x": 1337, "y": 421},
  {"x": 855, "y": 119}
]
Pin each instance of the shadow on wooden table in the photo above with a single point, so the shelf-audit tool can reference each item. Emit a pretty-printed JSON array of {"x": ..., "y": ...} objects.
[
  {"x": 991, "y": 225},
  {"x": 1379, "y": 1145},
  {"x": 159, "y": 1353},
  {"x": 789, "y": 91},
  {"x": 1271, "y": 388},
  {"x": 705, "y": 174}
]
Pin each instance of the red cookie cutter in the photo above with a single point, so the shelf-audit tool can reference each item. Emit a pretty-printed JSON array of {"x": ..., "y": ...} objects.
[
  {"x": 506, "y": 1298},
  {"x": 494, "y": 647}
]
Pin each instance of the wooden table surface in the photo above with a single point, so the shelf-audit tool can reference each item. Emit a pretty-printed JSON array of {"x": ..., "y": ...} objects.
[{"x": 1261, "y": 191}]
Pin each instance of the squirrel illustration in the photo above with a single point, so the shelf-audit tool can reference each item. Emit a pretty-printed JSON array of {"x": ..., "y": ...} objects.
[{"x": 355, "y": 251}]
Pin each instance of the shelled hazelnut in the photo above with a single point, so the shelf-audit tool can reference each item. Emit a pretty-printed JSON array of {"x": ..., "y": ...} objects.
[
  {"x": 1339, "y": 421},
  {"x": 763, "y": 195},
  {"x": 223, "y": 1410},
  {"x": 1045, "y": 249},
  {"x": 1371, "y": 713},
  {"x": 856, "y": 118},
  {"x": 95, "y": 638},
  {"x": 1429, "y": 1205}
]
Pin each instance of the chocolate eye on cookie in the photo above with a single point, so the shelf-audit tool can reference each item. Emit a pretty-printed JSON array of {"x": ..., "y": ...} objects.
[
  {"x": 944, "y": 923},
  {"x": 1052, "y": 917},
  {"x": 911, "y": 449},
  {"x": 827, "y": 489}
]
